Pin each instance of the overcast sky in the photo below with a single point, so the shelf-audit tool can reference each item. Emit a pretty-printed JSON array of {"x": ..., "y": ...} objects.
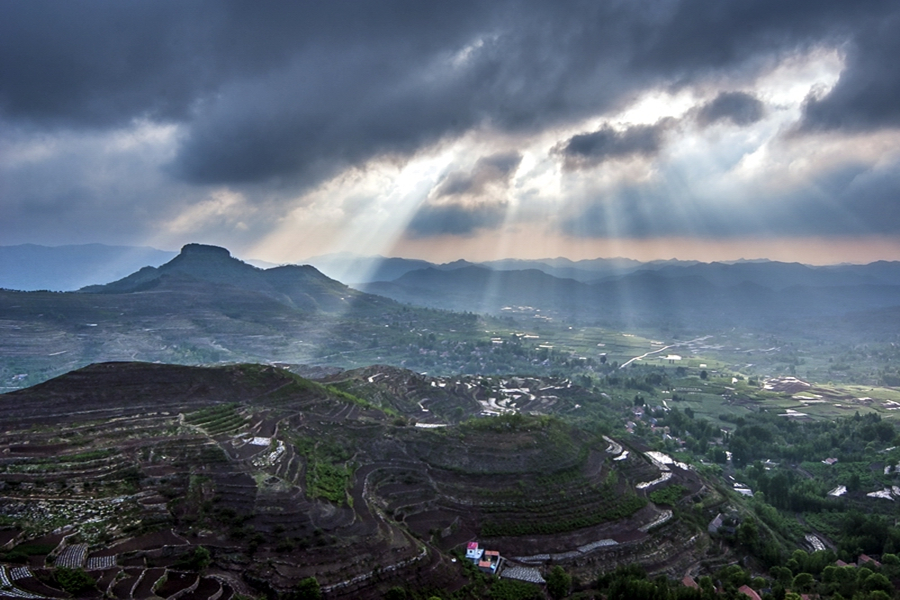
[{"x": 696, "y": 129}]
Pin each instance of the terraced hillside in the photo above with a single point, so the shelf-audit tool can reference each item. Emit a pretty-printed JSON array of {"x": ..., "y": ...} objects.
[
  {"x": 443, "y": 400},
  {"x": 165, "y": 480}
]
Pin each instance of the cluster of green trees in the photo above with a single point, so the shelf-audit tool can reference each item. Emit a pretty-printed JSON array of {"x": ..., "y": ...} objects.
[
  {"x": 698, "y": 434},
  {"x": 856, "y": 532},
  {"x": 818, "y": 573},
  {"x": 631, "y": 583},
  {"x": 855, "y": 524},
  {"x": 328, "y": 473},
  {"x": 803, "y": 573},
  {"x": 668, "y": 495},
  {"x": 306, "y": 589},
  {"x": 74, "y": 581},
  {"x": 644, "y": 382},
  {"x": 794, "y": 481}
]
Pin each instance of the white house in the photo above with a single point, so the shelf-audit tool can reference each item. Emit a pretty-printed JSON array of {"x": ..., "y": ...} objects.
[{"x": 473, "y": 552}]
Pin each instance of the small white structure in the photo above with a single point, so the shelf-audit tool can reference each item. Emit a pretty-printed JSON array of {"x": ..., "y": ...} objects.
[
  {"x": 473, "y": 552},
  {"x": 838, "y": 491},
  {"x": 885, "y": 494},
  {"x": 815, "y": 542}
]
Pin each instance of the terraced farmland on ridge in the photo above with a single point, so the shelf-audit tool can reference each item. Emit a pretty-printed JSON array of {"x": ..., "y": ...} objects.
[{"x": 173, "y": 480}]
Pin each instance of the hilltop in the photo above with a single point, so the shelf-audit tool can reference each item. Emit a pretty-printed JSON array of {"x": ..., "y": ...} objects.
[{"x": 302, "y": 287}]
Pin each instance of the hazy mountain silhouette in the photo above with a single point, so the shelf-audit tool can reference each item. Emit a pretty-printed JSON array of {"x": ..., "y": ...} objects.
[
  {"x": 355, "y": 269},
  {"x": 704, "y": 294},
  {"x": 299, "y": 286}
]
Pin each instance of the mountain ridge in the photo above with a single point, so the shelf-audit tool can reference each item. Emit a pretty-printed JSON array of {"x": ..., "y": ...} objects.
[
  {"x": 687, "y": 295},
  {"x": 298, "y": 286}
]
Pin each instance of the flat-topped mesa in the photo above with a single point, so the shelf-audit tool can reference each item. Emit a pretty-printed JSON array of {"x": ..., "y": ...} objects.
[
  {"x": 199, "y": 265},
  {"x": 204, "y": 250}
]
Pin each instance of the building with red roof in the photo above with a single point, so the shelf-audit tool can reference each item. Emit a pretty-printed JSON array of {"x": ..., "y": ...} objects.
[{"x": 749, "y": 592}]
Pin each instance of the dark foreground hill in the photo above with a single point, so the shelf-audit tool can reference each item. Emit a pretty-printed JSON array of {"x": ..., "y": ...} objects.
[{"x": 278, "y": 478}]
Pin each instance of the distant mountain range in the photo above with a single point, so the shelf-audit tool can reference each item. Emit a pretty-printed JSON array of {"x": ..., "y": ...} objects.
[
  {"x": 68, "y": 268},
  {"x": 615, "y": 291},
  {"x": 354, "y": 269},
  {"x": 711, "y": 295},
  {"x": 622, "y": 291},
  {"x": 205, "y": 306}
]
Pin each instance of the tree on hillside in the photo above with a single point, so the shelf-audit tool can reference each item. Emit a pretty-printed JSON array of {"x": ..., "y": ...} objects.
[
  {"x": 197, "y": 560},
  {"x": 558, "y": 583},
  {"x": 74, "y": 581},
  {"x": 395, "y": 593},
  {"x": 877, "y": 581},
  {"x": 748, "y": 532},
  {"x": 307, "y": 589},
  {"x": 803, "y": 582}
]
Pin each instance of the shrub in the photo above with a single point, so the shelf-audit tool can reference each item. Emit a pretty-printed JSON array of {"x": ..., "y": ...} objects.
[
  {"x": 558, "y": 583},
  {"x": 509, "y": 589},
  {"x": 197, "y": 560},
  {"x": 668, "y": 495},
  {"x": 74, "y": 581},
  {"x": 307, "y": 589}
]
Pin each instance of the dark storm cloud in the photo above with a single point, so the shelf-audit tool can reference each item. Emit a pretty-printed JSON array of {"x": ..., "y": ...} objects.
[
  {"x": 103, "y": 64},
  {"x": 866, "y": 95},
  {"x": 494, "y": 169},
  {"x": 740, "y": 108},
  {"x": 455, "y": 219},
  {"x": 606, "y": 143},
  {"x": 292, "y": 92}
]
